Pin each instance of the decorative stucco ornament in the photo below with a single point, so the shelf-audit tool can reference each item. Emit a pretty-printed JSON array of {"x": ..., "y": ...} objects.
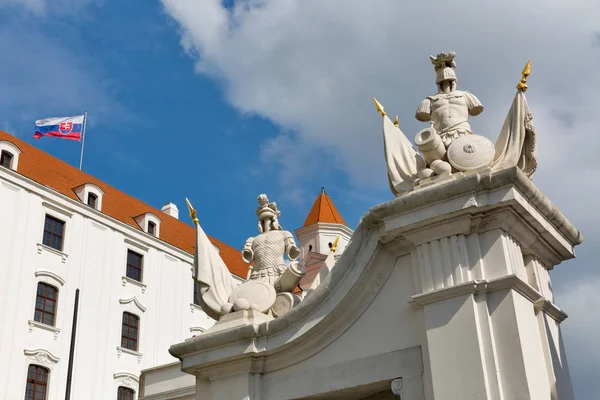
[
  {"x": 448, "y": 146},
  {"x": 268, "y": 277}
]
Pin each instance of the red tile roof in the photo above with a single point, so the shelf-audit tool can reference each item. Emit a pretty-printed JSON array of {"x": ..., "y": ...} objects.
[
  {"x": 62, "y": 177},
  {"x": 323, "y": 210}
]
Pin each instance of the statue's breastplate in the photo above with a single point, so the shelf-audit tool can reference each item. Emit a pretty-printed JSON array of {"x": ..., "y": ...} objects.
[{"x": 269, "y": 249}]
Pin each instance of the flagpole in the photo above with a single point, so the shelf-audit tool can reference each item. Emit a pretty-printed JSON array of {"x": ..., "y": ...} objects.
[{"x": 82, "y": 140}]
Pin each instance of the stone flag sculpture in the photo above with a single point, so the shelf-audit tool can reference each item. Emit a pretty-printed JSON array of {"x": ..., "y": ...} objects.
[
  {"x": 449, "y": 148},
  {"x": 210, "y": 272},
  {"x": 516, "y": 143}
]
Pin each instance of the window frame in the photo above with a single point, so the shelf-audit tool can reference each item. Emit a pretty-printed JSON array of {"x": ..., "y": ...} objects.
[
  {"x": 53, "y": 234},
  {"x": 42, "y": 310},
  {"x": 92, "y": 198},
  {"x": 35, "y": 383},
  {"x": 125, "y": 389},
  {"x": 6, "y": 154},
  {"x": 152, "y": 228},
  {"x": 196, "y": 298},
  {"x": 127, "y": 337},
  {"x": 134, "y": 268}
]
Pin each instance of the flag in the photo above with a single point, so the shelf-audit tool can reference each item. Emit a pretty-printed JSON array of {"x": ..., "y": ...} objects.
[{"x": 66, "y": 127}]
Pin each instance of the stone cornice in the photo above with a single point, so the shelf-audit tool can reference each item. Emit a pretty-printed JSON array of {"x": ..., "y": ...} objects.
[
  {"x": 484, "y": 181},
  {"x": 484, "y": 286}
]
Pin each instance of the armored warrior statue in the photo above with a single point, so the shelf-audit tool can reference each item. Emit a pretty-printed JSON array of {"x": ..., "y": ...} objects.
[
  {"x": 448, "y": 146},
  {"x": 449, "y": 109},
  {"x": 270, "y": 283},
  {"x": 268, "y": 248}
]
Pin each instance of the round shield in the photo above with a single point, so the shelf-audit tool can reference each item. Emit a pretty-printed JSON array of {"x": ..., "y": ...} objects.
[
  {"x": 255, "y": 292},
  {"x": 470, "y": 152}
]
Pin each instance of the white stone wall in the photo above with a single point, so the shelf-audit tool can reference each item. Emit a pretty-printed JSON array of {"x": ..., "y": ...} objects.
[{"x": 94, "y": 260}]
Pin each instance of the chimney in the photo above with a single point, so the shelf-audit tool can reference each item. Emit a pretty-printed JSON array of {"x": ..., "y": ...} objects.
[{"x": 170, "y": 209}]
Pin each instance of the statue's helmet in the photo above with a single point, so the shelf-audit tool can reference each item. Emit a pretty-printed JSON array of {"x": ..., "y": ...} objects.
[{"x": 445, "y": 74}]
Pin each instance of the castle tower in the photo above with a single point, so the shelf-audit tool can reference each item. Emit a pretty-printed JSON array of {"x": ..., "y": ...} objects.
[{"x": 321, "y": 228}]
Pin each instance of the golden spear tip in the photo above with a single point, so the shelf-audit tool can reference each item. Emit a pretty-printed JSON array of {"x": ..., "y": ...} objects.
[
  {"x": 192, "y": 211},
  {"x": 396, "y": 121},
  {"x": 335, "y": 243},
  {"x": 379, "y": 107},
  {"x": 526, "y": 72}
]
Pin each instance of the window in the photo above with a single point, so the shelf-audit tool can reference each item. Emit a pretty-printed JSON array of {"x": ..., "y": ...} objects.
[
  {"x": 196, "y": 301},
  {"x": 134, "y": 266},
  {"x": 125, "y": 393},
  {"x": 129, "y": 331},
  {"x": 92, "y": 200},
  {"x": 53, "y": 233},
  {"x": 45, "y": 304},
  {"x": 151, "y": 228},
  {"x": 6, "y": 159},
  {"x": 37, "y": 383}
]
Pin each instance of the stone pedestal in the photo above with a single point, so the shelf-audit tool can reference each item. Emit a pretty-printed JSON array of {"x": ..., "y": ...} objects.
[
  {"x": 455, "y": 277},
  {"x": 480, "y": 267}
]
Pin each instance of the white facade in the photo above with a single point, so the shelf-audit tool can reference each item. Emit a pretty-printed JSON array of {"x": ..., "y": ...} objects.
[{"x": 93, "y": 260}]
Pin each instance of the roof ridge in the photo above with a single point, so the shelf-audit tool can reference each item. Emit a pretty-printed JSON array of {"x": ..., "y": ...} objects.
[{"x": 62, "y": 177}]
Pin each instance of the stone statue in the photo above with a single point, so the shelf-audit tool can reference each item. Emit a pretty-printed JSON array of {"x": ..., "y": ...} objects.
[
  {"x": 449, "y": 109},
  {"x": 270, "y": 283},
  {"x": 448, "y": 146},
  {"x": 268, "y": 248}
]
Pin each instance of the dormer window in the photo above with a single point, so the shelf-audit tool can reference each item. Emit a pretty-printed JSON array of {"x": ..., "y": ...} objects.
[
  {"x": 149, "y": 223},
  {"x": 9, "y": 155},
  {"x": 92, "y": 200},
  {"x": 90, "y": 194},
  {"x": 6, "y": 159},
  {"x": 151, "y": 228}
]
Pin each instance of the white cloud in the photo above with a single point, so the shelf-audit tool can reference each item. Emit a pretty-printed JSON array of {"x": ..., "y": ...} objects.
[{"x": 312, "y": 66}]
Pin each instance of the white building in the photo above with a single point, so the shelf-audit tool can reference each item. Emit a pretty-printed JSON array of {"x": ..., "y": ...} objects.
[{"x": 65, "y": 232}]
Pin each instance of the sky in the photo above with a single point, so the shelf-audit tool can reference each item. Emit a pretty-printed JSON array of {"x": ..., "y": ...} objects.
[{"x": 221, "y": 101}]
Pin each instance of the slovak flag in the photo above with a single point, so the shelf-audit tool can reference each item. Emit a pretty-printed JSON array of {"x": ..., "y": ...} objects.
[{"x": 66, "y": 127}]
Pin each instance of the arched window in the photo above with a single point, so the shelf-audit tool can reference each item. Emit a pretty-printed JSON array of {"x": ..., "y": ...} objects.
[
  {"x": 125, "y": 393},
  {"x": 130, "y": 331},
  {"x": 37, "y": 383},
  {"x": 45, "y": 304}
]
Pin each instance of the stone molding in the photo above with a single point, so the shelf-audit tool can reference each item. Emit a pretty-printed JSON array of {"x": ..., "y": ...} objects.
[
  {"x": 135, "y": 301},
  {"x": 41, "y": 357},
  {"x": 42, "y": 247},
  {"x": 475, "y": 183},
  {"x": 397, "y": 387},
  {"x": 126, "y": 280},
  {"x": 54, "y": 277},
  {"x": 64, "y": 213},
  {"x": 121, "y": 350},
  {"x": 46, "y": 327},
  {"x": 127, "y": 379},
  {"x": 484, "y": 286}
]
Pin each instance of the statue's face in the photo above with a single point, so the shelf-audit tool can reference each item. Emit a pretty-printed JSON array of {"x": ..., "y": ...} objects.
[
  {"x": 266, "y": 224},
  {"x": 447, "y": 86}
]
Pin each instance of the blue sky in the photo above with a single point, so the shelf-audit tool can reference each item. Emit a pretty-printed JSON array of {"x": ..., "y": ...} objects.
[
  {"x": 156, "y": 129},
  {"x": 220, "y": 102}
]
